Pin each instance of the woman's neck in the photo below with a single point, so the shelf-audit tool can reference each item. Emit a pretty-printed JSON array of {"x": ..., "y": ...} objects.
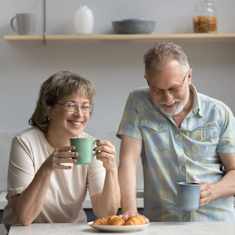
[{"x": 56, "y": 139}]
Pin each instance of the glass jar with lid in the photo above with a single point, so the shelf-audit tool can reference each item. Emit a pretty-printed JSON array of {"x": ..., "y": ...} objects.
[{"x": 205, "y": 18}]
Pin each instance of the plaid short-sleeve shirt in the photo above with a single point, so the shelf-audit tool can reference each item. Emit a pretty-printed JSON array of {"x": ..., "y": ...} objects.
[{"x": 189, "y": 153}]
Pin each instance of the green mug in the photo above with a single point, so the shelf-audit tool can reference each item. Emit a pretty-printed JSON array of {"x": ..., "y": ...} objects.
[{"x": 85, "y": 149}]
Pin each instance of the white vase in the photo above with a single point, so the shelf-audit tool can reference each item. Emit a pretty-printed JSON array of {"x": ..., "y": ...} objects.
[{"x": 84, "y": 20}]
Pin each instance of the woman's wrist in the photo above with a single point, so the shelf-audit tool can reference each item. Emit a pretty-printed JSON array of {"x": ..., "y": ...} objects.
[
  {"x": 46, "y": 168},
  {"x": 113, "y": 169}
]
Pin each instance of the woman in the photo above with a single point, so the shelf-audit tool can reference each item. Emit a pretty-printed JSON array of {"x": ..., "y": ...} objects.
[{"x": 44, "y": 183}]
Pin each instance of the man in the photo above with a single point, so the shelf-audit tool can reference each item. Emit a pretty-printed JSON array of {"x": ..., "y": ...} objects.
[{"x": 180, "y": 135}]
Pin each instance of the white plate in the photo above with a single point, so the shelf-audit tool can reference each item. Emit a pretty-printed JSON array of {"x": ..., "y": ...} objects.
[{"x": 120, "y": 228}]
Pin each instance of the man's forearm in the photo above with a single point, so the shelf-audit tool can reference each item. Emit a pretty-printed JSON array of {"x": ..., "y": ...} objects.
[
  {"x": 127, "y": 179},
  {"x": 226, "y": 186}
]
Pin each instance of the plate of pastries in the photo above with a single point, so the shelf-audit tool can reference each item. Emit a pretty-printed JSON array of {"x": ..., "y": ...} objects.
[{"x": 118, "y": 223}]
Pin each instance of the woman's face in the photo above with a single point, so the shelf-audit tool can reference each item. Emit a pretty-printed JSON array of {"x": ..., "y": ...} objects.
[{"x": 70, "y": 115}]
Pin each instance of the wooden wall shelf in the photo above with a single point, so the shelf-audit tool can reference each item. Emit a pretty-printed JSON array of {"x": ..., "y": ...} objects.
[{"x": 123, "y": 37}]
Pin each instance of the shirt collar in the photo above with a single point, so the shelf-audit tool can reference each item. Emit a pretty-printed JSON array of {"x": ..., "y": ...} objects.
[{"x": 197, "y": 107}]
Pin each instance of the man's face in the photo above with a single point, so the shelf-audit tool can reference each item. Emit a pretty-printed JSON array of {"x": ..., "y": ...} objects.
[{"x": 169, "y": 90}]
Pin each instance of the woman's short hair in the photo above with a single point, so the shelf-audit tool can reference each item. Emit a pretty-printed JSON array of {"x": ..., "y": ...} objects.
[
  {"x": 57, "y": 87},
  {"x": 162, "y": 53}
]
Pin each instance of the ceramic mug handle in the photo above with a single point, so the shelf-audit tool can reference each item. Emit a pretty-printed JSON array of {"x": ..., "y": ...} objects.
[
  {"x": 12, "y": 23},
  {"x": 95, "y": 146}
]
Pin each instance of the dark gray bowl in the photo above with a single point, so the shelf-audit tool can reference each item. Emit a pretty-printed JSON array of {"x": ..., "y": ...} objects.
[{"x": 133, "y": 26}]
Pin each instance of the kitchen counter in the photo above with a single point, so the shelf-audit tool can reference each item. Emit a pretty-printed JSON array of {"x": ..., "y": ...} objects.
[{"x": 192, "y": 228}]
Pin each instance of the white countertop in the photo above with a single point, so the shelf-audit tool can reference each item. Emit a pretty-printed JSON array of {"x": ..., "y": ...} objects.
[{"x": 193, "y": 228}]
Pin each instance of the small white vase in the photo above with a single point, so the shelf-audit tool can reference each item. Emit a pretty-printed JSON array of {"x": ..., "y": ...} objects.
[{"x": 84, "y": 20}]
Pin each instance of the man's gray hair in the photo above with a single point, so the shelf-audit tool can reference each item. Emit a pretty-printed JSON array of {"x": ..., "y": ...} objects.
[{"x": 162, "y": 53}]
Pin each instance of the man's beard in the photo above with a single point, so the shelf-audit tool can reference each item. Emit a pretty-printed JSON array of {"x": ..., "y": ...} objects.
[{"x": 178, "y": 107}]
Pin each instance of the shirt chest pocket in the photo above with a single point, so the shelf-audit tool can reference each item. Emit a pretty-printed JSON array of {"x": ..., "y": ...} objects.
[
  {"x": 204, "y": 141},
  {"x": 155, "y": 135},
  {"x": 208, "y": 133}
]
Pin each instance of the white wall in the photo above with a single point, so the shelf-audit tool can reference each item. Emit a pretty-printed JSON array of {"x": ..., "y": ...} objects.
[{"x": 115, "y": 68}]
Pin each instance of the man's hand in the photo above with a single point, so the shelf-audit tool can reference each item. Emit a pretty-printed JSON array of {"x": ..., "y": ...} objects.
[
  {"x": 207, "y": 193},
  {"x": 129, "y": 213}
]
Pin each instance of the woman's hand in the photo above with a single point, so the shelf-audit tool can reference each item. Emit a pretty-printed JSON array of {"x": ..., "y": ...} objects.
[
  {"x": 105, "y": 152},
  {"x": 61, "y": 158}
]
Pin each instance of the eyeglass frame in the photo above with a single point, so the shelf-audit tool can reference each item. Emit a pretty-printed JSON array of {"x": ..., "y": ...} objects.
[
  {"x": 76, "y": 108},
  {"x": 177, "y": 89}
]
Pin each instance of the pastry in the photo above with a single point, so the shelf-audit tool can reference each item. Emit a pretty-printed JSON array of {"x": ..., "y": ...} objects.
[
  {"x": 136, "y": 220},
  {"x": 119, "y": 220},
  {"x": 116, "y": 220},
  {"x": 101, "y": 221}
]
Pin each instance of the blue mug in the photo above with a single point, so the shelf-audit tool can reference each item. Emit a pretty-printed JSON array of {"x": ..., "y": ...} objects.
[{"x": 188, "y": 197}]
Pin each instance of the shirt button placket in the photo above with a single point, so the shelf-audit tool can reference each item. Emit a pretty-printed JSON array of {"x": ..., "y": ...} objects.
[{"x": 180, "y": 156}]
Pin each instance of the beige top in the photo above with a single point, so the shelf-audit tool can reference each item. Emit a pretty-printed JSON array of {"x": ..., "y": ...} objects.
[{"x": 67, "y": 189}]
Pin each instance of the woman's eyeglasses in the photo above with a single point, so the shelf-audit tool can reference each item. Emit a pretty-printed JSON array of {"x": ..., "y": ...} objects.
[{"x": 72, "y": 107}]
